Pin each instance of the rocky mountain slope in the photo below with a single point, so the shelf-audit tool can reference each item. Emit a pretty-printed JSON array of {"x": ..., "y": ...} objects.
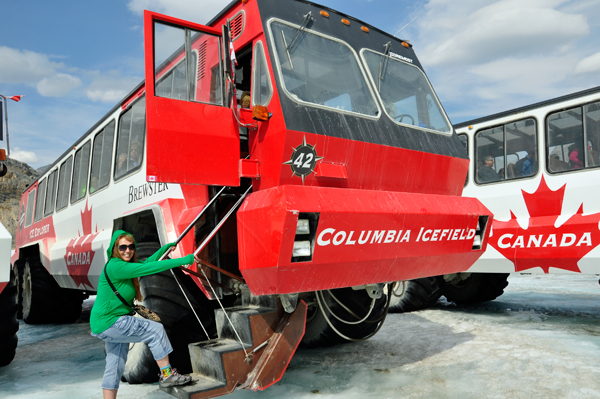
[{"x": 19, "y": 176}]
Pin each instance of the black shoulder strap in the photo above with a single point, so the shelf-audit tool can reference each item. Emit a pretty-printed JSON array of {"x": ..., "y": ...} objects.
[{"x": 115, "y": 290}]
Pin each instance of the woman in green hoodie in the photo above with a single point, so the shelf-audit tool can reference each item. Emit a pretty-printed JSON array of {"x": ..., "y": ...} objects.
[{"x": 112, "y": 321}]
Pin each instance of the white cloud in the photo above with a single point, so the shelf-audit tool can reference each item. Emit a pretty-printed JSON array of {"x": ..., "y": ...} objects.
[
  {"x": 487, "y": 56},
  {"x": 588, "y": 65},
  {"x": 28, "y": 157},
  {"x": 58, "y": 85},
  {"x": 36, "y": 70},
  {"x": 23, "y": 66},
  {"x": 497, "y": 30},
  {"x": 198, "y": 11},
  {"x": 111, "y": 87}
]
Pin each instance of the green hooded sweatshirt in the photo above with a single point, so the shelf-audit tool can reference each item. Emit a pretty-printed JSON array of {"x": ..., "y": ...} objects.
[{"x": 107, "y": 307}]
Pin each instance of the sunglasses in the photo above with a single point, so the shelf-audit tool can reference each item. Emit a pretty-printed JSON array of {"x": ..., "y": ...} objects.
[{"x": 123, "y": 248}]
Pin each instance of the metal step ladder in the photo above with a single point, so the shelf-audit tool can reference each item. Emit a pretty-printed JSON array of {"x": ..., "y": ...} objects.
[{"x": 269, "y": 337}]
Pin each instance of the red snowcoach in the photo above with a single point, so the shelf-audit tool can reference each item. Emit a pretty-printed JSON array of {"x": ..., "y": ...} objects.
[{"x": 343, "y": 174}]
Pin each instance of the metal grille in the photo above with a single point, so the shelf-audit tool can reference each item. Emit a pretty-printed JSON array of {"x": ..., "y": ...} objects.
[
  {"x": 201, "y": 60},
  {"x": 237, "y": 26}
]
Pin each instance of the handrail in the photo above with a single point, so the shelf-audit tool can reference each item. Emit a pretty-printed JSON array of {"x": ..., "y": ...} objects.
[{"x": 187, "y": 229}]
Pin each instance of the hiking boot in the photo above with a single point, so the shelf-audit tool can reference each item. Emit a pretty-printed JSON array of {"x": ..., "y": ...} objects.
[{"x": 174, "y": 379}]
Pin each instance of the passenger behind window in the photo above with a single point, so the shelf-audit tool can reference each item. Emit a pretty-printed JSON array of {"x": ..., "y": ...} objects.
[
  {"x": 135, "y": 154},
  {"x": 592, "y": 155},
  {"x": 245, "y": 99},
  {"x": 554, "y": 162},
  {"x": 575, "y": 156},
  {"x": 486, "y": 171},
  {"x": 501, "y": 174},
  {"x": 527, "y": 166},
  {"x": 244, "y": 103},
  {"x": 121, "y": 165}
]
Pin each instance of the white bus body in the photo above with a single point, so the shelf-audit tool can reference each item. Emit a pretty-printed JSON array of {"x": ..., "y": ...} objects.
[{"x": 546, "y": 211}]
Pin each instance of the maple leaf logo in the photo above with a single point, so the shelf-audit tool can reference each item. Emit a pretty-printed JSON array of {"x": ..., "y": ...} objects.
[
  {"x": 542, "y": 243},
  {"x": 79, "y": 255}
]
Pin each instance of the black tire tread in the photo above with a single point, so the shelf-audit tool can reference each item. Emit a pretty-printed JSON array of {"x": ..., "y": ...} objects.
[
  {"x": 48, "y": 302},
  {"x": 9, "y": 325},
  {"x": 318, "y": 332},
  {"x": 419, "y": 294},
  {"x": 479, "y": 287}
]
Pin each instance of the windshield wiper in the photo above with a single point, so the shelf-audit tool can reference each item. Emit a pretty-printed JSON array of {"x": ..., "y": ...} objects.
[
  {"x": 288, "y": 47},
  {"x": 383, "y": 64},
  {"x": 307, "y": 18}
]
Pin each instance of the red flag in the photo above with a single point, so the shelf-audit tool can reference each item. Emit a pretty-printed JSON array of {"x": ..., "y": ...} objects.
[
  {"x": 232, "y": 53},
  {"x": 15, "y": 98}
]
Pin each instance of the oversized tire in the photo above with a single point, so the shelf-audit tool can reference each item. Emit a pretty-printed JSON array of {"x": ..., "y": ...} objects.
[
  {"x": 413, "y": 295},
  {"x": 8, "y": 323},
  {"x": 319, "y": 333},
  {"x": 478, "y": 287},
  {"x": 163, "y": 296},
  {"x": 44, "y": 301},
  {"x": 17, "y": 272}
]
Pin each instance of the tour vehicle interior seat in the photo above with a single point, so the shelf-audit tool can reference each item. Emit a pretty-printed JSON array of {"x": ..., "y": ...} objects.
[{"x": 511, "y": 171}]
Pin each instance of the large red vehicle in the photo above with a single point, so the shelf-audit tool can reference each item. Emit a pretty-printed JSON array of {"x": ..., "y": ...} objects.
[{"x": 344, "y": 174}]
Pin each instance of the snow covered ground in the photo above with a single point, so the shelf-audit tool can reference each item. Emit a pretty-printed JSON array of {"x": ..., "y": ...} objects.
[{"x": 541, "y": 339}]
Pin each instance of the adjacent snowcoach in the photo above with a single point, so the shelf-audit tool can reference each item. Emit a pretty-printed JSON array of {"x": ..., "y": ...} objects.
[
  {"x": 342, "y": 175},
  {"x": 534, "y": 167},
  {"x": 9, "y": 324}
]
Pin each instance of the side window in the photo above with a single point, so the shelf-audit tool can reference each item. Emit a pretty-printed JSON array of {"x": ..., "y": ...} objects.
[
  {"x": 64, "y": 179},
  {"x": 506, "y": 152},
  {"x": 130, "y": 139},
  {"x": 521, "y": 149},
  {"x": 102, "y": 158},
  {"x": 39, "y": 201},
  {"x": 489, "y": 150},
  {"x": 30, "y": 202},
  {"x": 50, "y": 193},
  {"x": 573, "y": 144},
  {"x": 262, "y": 89},
  {"x": 80, "y": 172},
  {"x": 22, "y": 217},
  {"x": 187, "y": 64},
  {"x": 464, "y": 139}
]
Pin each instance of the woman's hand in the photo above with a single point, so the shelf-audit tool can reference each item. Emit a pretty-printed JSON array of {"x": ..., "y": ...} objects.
[{"x": 191, "y": 260}]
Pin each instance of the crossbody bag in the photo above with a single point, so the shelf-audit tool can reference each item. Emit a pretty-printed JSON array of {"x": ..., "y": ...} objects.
[{"x": 139, "y": 309}]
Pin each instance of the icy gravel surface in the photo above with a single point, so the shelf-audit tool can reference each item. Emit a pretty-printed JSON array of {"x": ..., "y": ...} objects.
[{"x": 541, "y": 339}]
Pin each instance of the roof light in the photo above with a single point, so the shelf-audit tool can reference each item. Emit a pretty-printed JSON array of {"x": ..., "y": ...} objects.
[
  {"x": 325, "y": 14},
  {"x": 405, "y": 44},
  {"x": 345, "y": 21},
  {"x": 364, "y": 29}
]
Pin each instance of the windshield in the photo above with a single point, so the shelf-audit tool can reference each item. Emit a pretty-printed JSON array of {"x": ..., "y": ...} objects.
[
  {"x": 405, "y": 93},
  {"x": 321, "y": 71}
]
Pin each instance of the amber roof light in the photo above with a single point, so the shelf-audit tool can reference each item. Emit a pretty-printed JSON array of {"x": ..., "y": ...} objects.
[
  {"x": 325, "y": 14},
  {"x": 345, "y": 21}
]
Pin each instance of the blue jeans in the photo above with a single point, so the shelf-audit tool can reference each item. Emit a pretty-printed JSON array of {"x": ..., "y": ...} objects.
[{"x": 128, "y": 329}]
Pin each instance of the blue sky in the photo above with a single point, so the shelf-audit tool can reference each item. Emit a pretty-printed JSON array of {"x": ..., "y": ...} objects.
[{"x": 74, "y": 60}]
